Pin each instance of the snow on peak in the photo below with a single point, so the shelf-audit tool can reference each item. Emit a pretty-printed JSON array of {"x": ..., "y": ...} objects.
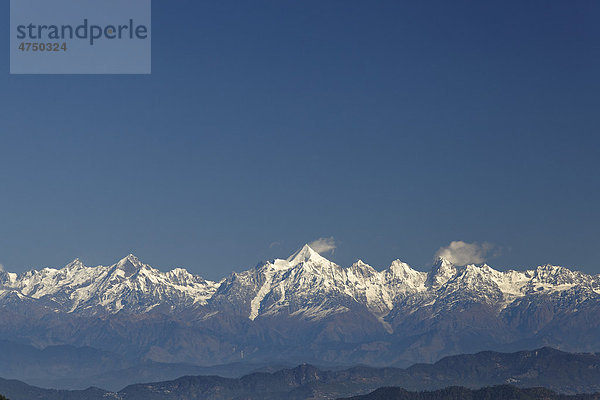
[
  {"x": 305, "y": 282},
  {"x": 362, "y": 268},
  {"x": 131, "y": 259},
  {"x": 555, "y": 277},
  {"x": 306, "y": 253},
  {"x": 441, "y": 262},
  {"x": 129, "y": 284},
  {"x": 400, "y": 268},
  {"x": 75, "y": 265},
  {"x": 402, "y": 280},
  {"x": 442, "y": 271},
  {"x": 129, "y": 265}
]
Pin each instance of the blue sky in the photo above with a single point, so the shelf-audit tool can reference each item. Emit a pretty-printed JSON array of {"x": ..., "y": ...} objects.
[{"x": 394, "y": 127}]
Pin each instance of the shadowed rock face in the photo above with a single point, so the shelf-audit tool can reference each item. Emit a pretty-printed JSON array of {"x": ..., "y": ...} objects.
[{"x": 301, "y": 309}]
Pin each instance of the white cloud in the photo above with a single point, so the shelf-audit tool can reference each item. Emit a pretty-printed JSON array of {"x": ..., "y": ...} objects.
[
  {"x": 1, "y": 268},
  {"x": 323, "y": 245},
  {"x": 462, "y": 253}
]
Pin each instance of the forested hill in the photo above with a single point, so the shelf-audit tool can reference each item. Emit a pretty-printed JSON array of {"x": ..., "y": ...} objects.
[{"x": 503, "y": 392}]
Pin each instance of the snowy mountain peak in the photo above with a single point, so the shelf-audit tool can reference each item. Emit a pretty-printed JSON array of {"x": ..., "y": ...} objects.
[
  {"x": 400, "y": 268},
  {"x": 402, "y": 279},
  {"x": 441, "y": 262},
  {"x": 75, "y": 264},
  {"x": 129, "y": 265},
  {"x": 306, "y": 285},
  {"x": 442, "y": 271},
  {"x": 360, "y": 268},
  {"x": 556, "y": 275},
  {"x": 306, "y": 253},
  {"x": 131, "y": 259}
]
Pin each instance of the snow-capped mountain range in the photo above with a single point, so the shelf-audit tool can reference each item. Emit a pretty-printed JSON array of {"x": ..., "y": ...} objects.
[
  {"x": 301, "y": 309},
  {"x": 128, "y": 285},
  {"x": 305, "y": 284}
]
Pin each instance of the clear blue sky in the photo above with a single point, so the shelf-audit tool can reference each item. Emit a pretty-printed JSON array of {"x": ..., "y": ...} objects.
[{"x": 395, "y": 127}]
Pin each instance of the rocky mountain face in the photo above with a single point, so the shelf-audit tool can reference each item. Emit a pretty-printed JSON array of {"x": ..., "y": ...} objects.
[
  {"x": 129, "y": 286},
  {"x": 301, "y": 309}
]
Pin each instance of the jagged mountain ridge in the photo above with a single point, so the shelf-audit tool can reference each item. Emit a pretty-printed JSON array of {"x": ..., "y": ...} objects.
[
  {"x": 128, "y": 285},
  {"x": 301, "y": 309},
  {"x": 306, "y": 284}
]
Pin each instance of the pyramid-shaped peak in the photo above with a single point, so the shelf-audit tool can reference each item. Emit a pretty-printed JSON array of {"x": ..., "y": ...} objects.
[
  {"x": 399, "y": 267},
  {"x": 130, "y": 265},
  {"x": 181, "y": 276},
  {"x": 441, "y": 262},
  {"x": 75, "y": 264},
  {"x": 130, "y": 258},
  {"x": 360, "y": 265},
  {"x": 306, "y": 253},
  {"x": 443, "y": 270},
  {"x": 443, "y": 266},
  {"x": 400, "y": 264}
]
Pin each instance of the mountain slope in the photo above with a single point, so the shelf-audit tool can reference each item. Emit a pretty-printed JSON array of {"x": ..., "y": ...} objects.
[
  {"x": 562, "y": 372},
  {"x": 503, "y": 392},
  {"x": 128, "y": 285},
  {"x": 301, "y": 309}
]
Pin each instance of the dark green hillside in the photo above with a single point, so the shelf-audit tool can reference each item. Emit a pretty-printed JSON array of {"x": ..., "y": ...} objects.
[
  {"x": 16, "y": 390},
  {"x": 459, "y": 377}
]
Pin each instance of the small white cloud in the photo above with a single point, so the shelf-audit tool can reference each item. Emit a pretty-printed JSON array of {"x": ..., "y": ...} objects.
[
  {"x": 462, "y": 253},
  {"x": 1, "y": 268},
  {"x": 323, "y": 245},
  {"x": 274, "y": 244}
]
